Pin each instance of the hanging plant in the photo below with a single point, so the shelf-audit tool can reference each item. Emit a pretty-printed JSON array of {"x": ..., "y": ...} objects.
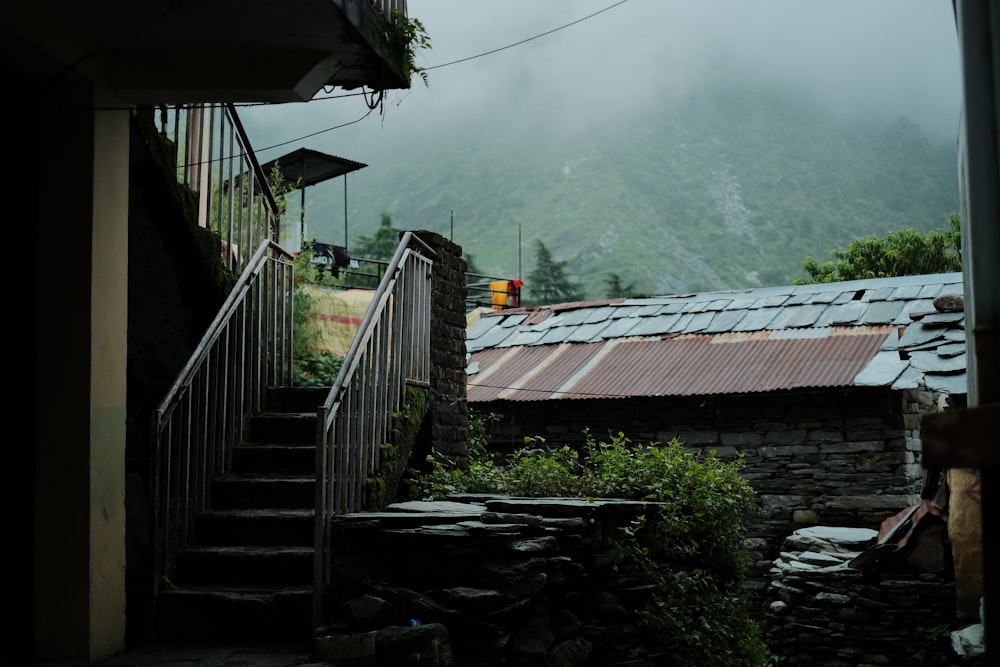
[{"x": 406, "y": 36}]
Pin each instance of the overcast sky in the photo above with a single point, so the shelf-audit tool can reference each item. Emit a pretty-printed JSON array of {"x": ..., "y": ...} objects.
[{"x": 603, "y": 58}]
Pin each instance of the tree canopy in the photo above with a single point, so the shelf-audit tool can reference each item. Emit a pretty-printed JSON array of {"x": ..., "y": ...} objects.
[
  {"x": 901, "y": 253},
  {"x": 615, "y": 289},
  {"x": 380, "y": 245},
  {"x": 549, "y": 282}
]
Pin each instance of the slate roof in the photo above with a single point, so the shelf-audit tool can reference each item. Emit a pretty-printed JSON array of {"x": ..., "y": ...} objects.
[{"x": 878, "y": 332}]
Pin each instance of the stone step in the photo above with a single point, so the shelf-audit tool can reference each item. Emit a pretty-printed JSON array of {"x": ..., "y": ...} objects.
[
  {"x": 284, "y": 459},
  {"x": 293, "y": 527},
  {"x": 263, "y": 491},
  {"x": 282, "y": 428},
  {"x": 215, "y": 614},
  {"x": 296, "y": 399},
  {"x": 258, "y": 565}
]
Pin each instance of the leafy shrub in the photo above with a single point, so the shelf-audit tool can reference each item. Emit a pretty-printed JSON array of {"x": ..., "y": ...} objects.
[
  {"x": 690, "y": 548},
  {"x": 310, "y": 367}
]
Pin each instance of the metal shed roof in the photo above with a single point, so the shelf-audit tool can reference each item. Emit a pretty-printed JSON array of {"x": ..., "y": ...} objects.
[{"x": 878, "y": 332}]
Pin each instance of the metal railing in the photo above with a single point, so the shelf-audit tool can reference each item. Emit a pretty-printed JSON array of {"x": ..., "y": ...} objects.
[
  {"x": 246, "y": 348},
  {"x": 391, "y": 350},
  {"x": 388, "y": 6},
  {"x": 488, "y": 292},
  {"x": 216, "y": 161}
]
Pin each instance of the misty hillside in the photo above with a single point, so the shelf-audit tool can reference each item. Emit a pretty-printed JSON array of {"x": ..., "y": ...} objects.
[{"x": 725, "y": 188}]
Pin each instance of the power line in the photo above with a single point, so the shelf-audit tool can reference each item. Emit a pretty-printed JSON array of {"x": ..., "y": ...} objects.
[
  {"x": 529, "y": 39},
  {"x": 372, "y": 106},
  {"x": 448, "y": 64}
]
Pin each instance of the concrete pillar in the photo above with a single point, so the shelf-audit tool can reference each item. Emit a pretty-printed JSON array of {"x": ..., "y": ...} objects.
[{"x": 79, "y": 531}]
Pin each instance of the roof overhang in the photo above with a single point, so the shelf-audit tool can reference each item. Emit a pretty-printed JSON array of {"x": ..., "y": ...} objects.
[
  {"x": 305, "y": 167},
  {"x": 165, "y": 51}
]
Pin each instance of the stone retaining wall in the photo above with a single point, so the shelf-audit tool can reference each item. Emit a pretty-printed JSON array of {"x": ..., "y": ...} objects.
[
  {"x": 498, "y": 582},
  {"x": 503, "y": 581},
  {"x": 822, "y": 612}
]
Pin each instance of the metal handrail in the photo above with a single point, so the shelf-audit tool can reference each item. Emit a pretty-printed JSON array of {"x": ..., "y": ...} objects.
[
  {"x": 390, "y": 350},
  {"x": 247, "y": 348},
  {"x": 216, "y": 161}
]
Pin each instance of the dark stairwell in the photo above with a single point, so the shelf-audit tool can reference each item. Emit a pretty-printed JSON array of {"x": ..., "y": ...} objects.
[{"x": 247, "y": 573}]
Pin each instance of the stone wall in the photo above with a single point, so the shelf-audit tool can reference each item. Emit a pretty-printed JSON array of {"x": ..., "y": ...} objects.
[
  {"x": 824, "y": 612},
  {"x": 532, "y": 581},
  {"x": 448, "y": 424},
  {"x": 489, "y": 581},
  {"x": 838, "y": 457}
]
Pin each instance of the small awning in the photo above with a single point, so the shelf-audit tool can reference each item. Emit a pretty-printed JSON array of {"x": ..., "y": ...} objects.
[{"x": 311, "y": 166}]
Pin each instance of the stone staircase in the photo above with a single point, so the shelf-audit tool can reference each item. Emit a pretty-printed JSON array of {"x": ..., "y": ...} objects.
[{"x": 247, "y": 575}]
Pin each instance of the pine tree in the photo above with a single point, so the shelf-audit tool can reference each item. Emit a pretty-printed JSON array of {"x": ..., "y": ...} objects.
[
  {"x": 549, "y": 283},
  {"x": 615, "y": 288},
  {"x": 381, "y": 245}
]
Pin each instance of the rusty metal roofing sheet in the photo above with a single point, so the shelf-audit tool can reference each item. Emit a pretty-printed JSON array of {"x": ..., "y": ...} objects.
[
  {"x": 686, "y": 366},
  {"x": 527, "y": 373}
]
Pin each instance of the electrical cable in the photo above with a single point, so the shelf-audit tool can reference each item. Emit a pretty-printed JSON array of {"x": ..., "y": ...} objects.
[{"x": 529, "y": 39}]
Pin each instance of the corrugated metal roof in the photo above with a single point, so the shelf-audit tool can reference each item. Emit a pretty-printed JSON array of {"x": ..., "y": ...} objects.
[{"x": 879, "y": 332}]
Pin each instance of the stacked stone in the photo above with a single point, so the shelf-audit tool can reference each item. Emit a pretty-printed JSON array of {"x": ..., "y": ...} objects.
[
  {"x": 499, "y": 582},
  {"x": 449, "y": 426},
  {"x": 825, "y": 612}
]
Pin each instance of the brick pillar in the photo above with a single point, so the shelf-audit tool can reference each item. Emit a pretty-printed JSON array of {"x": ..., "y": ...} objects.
[{"x": 449, "y": 411}]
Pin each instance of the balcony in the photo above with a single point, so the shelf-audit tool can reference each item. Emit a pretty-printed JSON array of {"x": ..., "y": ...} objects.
[{"x": 175, "y": 51}]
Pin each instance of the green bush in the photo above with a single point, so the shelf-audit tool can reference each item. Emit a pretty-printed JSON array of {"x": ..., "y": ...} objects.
[
  {"x": 690, "y": 548},
  {"x": 310, "y": 367}
]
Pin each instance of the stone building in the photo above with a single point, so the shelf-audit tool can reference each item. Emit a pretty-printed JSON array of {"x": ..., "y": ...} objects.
[{"x": 820, "y": 388}]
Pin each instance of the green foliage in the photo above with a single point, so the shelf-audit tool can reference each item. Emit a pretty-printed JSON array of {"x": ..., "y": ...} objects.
[
  {"x": 706, "y": 621},
  {"x": 315, "y": 369},
  {"x": 479, "y": 425},
  {"x": 406, "y": 36},
  {"x": 689, "y": 547},
  {"x": 310, "y": 367},
  {"x": 380, "y": 245},
  {"x": 615, "y": 289},
  {"x": 934, "y": 646},
  {"x": 901, "y": 253},
  {"x": 306, "y": 272},
  {"x": 549, "y": 282},
  {"x": 537, "y": 471},
  {"x": 704, "y": 500}
]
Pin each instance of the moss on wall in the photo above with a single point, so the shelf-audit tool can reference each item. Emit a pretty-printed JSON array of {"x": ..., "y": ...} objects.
[{"x": 393, "y": 456}]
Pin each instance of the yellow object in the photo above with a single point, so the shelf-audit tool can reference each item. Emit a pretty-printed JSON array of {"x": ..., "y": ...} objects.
[
  {"x": 499, "y": 290},
  {"x": 335, "y": 317}
]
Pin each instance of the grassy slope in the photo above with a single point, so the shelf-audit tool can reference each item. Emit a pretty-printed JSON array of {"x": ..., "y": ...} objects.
[{"x": 727, "y": 189}]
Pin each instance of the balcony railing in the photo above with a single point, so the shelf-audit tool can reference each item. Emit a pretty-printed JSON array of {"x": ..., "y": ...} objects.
[
  {"x": 216, "y": 161},
  {"x": 388, "y": 6}
]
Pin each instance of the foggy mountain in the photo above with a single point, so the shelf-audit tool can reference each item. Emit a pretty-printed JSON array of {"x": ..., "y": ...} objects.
[{"x": 729, "y": 186}]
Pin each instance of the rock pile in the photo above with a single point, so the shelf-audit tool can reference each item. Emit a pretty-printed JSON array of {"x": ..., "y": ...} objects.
[
  {"x": 828, "y": 608},
  {"x": 504, "y": 581}
]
